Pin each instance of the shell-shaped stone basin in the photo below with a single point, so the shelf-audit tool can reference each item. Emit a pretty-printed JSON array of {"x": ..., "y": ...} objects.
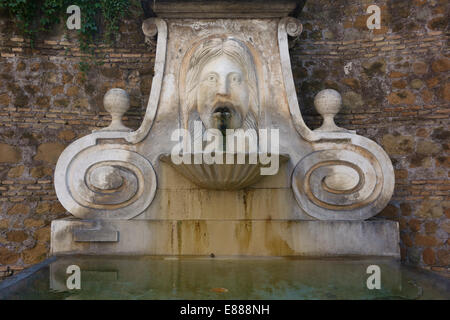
[{"x": 243, "y": 171}]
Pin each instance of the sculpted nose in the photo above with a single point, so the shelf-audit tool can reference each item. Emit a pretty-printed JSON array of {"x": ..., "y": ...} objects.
[{"x": 223, "y": 89}]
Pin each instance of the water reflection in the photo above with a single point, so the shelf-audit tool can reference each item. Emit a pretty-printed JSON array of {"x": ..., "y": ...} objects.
[{"x": 216, "y": 278}]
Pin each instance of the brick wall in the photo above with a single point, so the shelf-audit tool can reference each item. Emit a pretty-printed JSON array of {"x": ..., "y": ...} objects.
[
  {"x": 395, "y": 91},
  {"x": 45, "y": 104}
]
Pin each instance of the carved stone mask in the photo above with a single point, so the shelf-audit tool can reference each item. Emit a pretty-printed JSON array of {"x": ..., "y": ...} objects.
[
  {"x": 222, "y": 85},
  {"x": 222, "y": 94}
]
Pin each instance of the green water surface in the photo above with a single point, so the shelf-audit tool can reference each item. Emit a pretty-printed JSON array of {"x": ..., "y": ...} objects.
[{"x": 227, "y": 278}]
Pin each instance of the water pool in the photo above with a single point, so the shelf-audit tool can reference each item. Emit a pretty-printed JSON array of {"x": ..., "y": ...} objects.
[{"x": 223, "y": 278}]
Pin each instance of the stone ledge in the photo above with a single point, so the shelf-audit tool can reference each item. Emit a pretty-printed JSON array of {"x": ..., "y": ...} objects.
[
  {"x": 232, "y": 238},
  {"x": 225, "y": 8}
]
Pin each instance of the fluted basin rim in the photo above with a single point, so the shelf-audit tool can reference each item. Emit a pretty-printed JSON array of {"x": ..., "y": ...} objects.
[{"x": 224, "y": 176}]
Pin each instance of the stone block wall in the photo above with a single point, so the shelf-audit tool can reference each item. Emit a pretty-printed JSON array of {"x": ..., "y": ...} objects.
[
  {"x": 46, "y": 102},
  {"x": 395, "y": 87},
  {"x": 394, "y": 82}
]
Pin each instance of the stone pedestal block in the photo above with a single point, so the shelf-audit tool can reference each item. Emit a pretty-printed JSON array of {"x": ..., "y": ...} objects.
[{"x": 226, "y": 237}]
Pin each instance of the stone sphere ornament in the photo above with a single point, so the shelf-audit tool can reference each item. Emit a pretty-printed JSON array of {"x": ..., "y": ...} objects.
[
  {"x": 328, "y": 103},
  {"x": 116, "y": 101}
]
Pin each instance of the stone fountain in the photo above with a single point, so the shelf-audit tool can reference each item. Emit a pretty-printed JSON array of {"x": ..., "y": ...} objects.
[{"x": 221, "y": 67}]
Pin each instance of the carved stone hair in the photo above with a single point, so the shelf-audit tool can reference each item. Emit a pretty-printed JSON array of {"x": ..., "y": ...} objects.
[{"x": 215, "y": 47}]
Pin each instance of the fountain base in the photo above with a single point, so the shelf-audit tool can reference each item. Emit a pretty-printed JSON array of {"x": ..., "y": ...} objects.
[{"x": 226, "y": 237}]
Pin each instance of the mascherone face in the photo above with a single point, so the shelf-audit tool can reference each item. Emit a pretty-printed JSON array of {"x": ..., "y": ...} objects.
[{"x": 222, "y": 94}]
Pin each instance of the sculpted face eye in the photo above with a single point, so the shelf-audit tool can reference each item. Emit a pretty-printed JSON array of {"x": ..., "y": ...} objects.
[
  {"x": 212, "y": 78},
  {"x": 235, "y": 78}
]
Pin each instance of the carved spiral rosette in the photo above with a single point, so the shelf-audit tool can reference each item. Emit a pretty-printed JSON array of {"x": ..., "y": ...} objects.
[
  {"x": 294, "y": 27},
  {"x": 104, "y": 181},
  {"x": 344, "y": 181}
]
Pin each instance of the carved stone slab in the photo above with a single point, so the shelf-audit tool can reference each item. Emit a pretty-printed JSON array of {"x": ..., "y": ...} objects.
[
  {"x": 268, "y": 238},
  {"x": 227, "y": 69}
]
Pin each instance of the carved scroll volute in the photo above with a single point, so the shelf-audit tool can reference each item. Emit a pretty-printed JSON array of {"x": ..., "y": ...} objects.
[
  {"x": 292, "y": 27},
  {"x": 95, "y": 180},
  {"x": 347, "y": 177},
  {"x": 351, "y": 181},
  {"x": 151, "y": 27},
  {"x": 100, "y": 176},
  {"x": 110, "y": 180}
]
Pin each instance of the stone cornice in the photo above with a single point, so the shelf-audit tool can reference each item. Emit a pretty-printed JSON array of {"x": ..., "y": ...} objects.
[{"x": 223, "y": 8}]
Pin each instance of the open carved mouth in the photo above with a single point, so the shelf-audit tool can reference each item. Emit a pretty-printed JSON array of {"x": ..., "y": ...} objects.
[
  {"x": 222, "y": 116},
  {"x": 222, "y": 112}
]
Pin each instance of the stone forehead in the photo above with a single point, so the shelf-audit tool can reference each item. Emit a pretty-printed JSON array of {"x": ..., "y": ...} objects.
[
  {"x": 212, "y": 48},
  {"x": 220, "y": 65}
]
